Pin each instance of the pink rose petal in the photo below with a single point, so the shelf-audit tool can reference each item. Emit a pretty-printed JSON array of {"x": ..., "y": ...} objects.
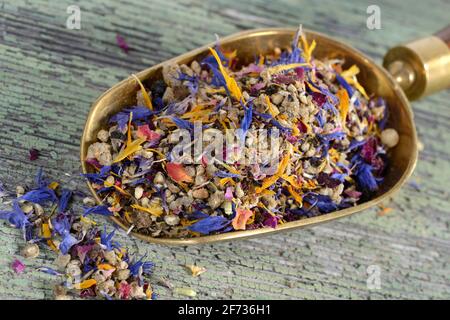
[
  {"x": 144, "y": 131},
  {"x": 18, "y": 266},
  {"x": 122, "y": 43}
]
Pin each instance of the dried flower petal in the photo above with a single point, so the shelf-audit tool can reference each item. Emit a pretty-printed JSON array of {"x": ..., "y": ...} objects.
[
  {"x": 185, "y": 292},
  {"x": 18, "y": 266},
  {"x": 122, "y": 43},
  {"x": 177, "y": 172},
  {"x": 85, "y": 284},
  {"x": 241, "y": 218},
  {"x": 34, "y": 154},
  {"x": 145, "y": 132},
  {"x": 196, "y": 270}
]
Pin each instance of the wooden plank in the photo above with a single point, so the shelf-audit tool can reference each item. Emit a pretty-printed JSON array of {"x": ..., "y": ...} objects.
[{"x": 50, "y": 75}]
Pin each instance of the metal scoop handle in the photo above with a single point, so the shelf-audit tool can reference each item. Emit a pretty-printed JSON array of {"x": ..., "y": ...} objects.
[{"x": 421, "y": 67}]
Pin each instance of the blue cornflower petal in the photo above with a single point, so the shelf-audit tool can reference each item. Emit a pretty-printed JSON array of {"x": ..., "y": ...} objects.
[
  {"x": 101, "y": 210},
  {"x": 147, "y": 267},
  {"x": 265, "y": 116},
  {"x": 275, "y": 123},
  {"x": 345, "y": 84},
  {"x": 356, "y": 144},
  {"x": 192, "y": 82},
  {"x": 141, "y": 267},
  {"x": 197, "y": 214},
  {"x": 16, "y": 217},
  {"x": 279, "y": 126},
  {"x": 68, "y": 242},
  {"x": 365, "y": 177},
  {"x": 100, "y": 176},
  {"x": 39, "y": 180},
  {"x": 328, "y": 106},
  {"x": 217, "y": 80},
  {"x": 106, "y": 296},
  {"x": 210, "y": 224},
  {"x": 104, "y": 189},
  {"x": 183, "y": 124},
  {"x": 324, "y": 203},
  {"x": 347, "y": 87},
  {"x": 383, "y": 122},
  {"x": 246, "y": 121},
  {"x": 223, "y": 174},
  {"x": 61, "y": 224},
  {"x": 93, "y": 177},
  {"x": 40, "y": 195},
  {"x": 139, "y": 113},
  {"x": 50, "y": 271},
  {"x": 320, "y": 118},
  {"x": 106, "y": 240},
  {"x": 64, "y": 200},
  {"x": 332, "y": 136},
  {"x": 339, "y": 176}
]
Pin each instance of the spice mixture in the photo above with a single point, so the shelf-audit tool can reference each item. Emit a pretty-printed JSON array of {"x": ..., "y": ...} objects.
[
  {"x": 331, "y": 154},
  {"x": 90, "y": 261}
]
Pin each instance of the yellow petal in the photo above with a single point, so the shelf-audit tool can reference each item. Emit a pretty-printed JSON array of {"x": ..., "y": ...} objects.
[
  {"x": 87, "y": 220},
  {"x": 52, "y": 245},
  {"x": 130, "y": 149},
  {"x": 46, "y": 232},
  {"x": 53, "y": 185},
  {"x": 311, "y": 49},
  {"x": 105, "y": 266},
  {"x": 196, "y": 270},
  {"x": 230, "y": 168},
  {"x": 149, "y": 293},
  {"x": 158, "y": 152},
  {"x": 360, "y": 89},
  {"x": 312, "y": 88},
  {"x": 292, "y": 180},
  {"x": 281, "y": 67},
  {"x": 129, "y": 129},
  {"x": 154, "y": 210},
  {"x": 295, "y": 130},
  {"x": 261, "y": 60},
  {"x": 127, "y": 217},
  {"x": 307, "y": 49},
  {"x": 215, "y": 90},
  {"x": 232, "y": 85},
  {"x": 350, "y": 72},
  {"x": 305, "y": 44},
  {"x": 284, "y": 163},
  {"x": 118, "y": 189},
  {"x": 147, "y": 100},
  {"x": 344, "y": 104},
  {"x": 272, "y": 109},
  {"x": 268, "y": 192},
  {"x": 85, "y": 284},
  {"x": 267, "y": 182},
  {"x": 350, "y": 76},
  {"x": 295, "y": 195},
  {"x": 226, "y": 180}
]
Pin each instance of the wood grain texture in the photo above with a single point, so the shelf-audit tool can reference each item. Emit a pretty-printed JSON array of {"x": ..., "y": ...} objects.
[{"x": 50, "y": 75}]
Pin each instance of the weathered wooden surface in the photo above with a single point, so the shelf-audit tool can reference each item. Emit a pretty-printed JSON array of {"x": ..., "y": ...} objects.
[{"x": 50, "y": 75}]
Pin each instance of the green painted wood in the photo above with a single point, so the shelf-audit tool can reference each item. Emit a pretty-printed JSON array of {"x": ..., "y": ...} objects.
[{"x": 50, "y": 75}]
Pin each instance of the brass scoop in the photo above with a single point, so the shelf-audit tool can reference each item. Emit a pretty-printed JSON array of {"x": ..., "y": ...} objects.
[{"x": 420, "y": 68}]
